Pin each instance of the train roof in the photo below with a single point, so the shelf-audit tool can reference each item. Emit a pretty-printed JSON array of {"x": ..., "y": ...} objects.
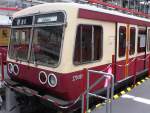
[{"x": 49, "y": 7}]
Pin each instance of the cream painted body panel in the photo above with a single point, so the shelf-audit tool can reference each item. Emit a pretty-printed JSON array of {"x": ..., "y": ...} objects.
[{"x": 108, "y": 44}]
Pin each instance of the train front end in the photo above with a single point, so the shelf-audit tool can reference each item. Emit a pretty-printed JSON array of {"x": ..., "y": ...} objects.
[{"x": 35, "y": 52}]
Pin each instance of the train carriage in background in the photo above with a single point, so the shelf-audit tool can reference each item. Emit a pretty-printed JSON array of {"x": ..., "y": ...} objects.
[
  {"x": 52, "y": 43},
  {"x": 5, "y": 24}
]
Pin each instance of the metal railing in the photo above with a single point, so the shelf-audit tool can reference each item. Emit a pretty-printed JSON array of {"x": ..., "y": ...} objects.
[
  {"x": 2, "y": 66},
  {"x": 110, "y": 90}
]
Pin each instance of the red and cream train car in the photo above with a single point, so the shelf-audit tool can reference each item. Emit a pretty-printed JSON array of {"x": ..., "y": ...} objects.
[
  {"x": 5, "y": 24},
  {"x": 52, "y": 43}
]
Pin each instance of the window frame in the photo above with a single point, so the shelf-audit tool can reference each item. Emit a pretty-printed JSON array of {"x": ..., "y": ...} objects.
[
  {"x": 133, "y": 27},
  {"x": 139, "y": 28},
  {"x": 61, "y": 47},
  {"x": 19, "y": 59},
  {"x": 31, "y": 36},
  {"x": 148, "y": 40},
  {"x": 121, "y": 25},
  {"x": 102, "y": 36}
]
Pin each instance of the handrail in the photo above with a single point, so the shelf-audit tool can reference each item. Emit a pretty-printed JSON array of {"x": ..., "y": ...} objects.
[
  {"x": 87, "y": 93},
  {"x": 2, "y": 66}
]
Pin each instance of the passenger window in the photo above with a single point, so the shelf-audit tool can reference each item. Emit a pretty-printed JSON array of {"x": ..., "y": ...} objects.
[
  {"x": 148, "y": 39},
  {"x": 141, "y": 40},
  {"x": 132, "y": 40},
  {"x": 88, "y": 45},
  {"x": 122, "y": 41}
]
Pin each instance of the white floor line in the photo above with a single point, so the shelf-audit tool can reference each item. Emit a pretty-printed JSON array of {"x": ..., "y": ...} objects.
[{"x": 137, "y": 99}]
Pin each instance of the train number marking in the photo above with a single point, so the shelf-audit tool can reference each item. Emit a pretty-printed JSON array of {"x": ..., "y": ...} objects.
[{"x": 77, "y": 77}]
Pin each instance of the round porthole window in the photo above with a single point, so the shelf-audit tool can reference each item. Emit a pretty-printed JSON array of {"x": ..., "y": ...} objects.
[
  {"x": 10, "y": 68},
  {"x": 42, "y": 77},
  {"x": 52, "y": 80},
  {"x": 16, "y": 69}
]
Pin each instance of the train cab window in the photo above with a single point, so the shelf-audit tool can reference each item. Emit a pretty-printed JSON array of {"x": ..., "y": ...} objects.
[
  {"x": 148, "y": 39},
  {"x": 122, "y": 41},
  {"x": 19, "y": 43},
  {"x": 132, "y": 40},
  {"x": 46, "y": 46},
  {"x": 88, "y": 45},
  {"x": 141, "y": 40}
]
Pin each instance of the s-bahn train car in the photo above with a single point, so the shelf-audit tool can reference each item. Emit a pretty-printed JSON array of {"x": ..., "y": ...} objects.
[
  {"x": 52, "y": 43},
  {"x": 5, "y": 24}
]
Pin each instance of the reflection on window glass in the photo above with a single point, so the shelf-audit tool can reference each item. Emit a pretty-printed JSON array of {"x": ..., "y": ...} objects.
[
  {"x": 47, "y": 45},
  {"x": 19, "y": 43},
  {"x": 122, "y": 41},
  {"x": 141, "y": 40},
  {"x": 132, "y": 41},
  {"x": 88, "y": 45}
]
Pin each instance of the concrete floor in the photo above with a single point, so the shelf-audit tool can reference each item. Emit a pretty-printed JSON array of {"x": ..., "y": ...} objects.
[{"x": 136, "y": 101}]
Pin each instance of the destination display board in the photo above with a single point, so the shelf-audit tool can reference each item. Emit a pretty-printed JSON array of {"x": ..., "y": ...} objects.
[{"x": 50, "y": 18}]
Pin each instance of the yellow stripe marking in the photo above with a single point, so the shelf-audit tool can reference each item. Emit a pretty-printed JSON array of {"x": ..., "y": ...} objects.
[
  {"x": 123, "y": 92},
  {"x": 89, "y": 111},
  {"x": 103, "y": 103},
  {"x": 146, "y": 78},
  {"x": 98, "y": 105},
  {"x": 143, "y": 80},
  {"x": 139, "y": 83},
  {"x": 128, "y": 89},
  {"x": 116, "y": 96}
]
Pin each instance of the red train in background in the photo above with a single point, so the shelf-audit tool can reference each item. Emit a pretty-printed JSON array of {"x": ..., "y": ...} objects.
[
  {"x": 5, "y": 25},
  {"x": 51, "y": 44}
]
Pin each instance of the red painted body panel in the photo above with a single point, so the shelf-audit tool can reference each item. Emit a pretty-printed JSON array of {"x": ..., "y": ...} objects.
[
  {"x": 140, "y": 65},
  {"x": 147, "y": 60},
  {"x": 3, "y": 50},
  {"x": 120, "y": 67},
  {"x": 88, "y": 14},
  {"x": 67, "y": 88}
]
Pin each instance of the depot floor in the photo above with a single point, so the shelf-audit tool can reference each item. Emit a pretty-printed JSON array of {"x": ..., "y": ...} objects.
[{"x": 136, "y": 101}]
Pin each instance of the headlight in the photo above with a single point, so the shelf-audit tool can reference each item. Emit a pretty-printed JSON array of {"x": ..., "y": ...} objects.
[
  {"x": 10, "y": 68},
  {"x": 42, "y": 77},
  {"x": 52, "y": 80},
  {"x": 16, "y": 69}
]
